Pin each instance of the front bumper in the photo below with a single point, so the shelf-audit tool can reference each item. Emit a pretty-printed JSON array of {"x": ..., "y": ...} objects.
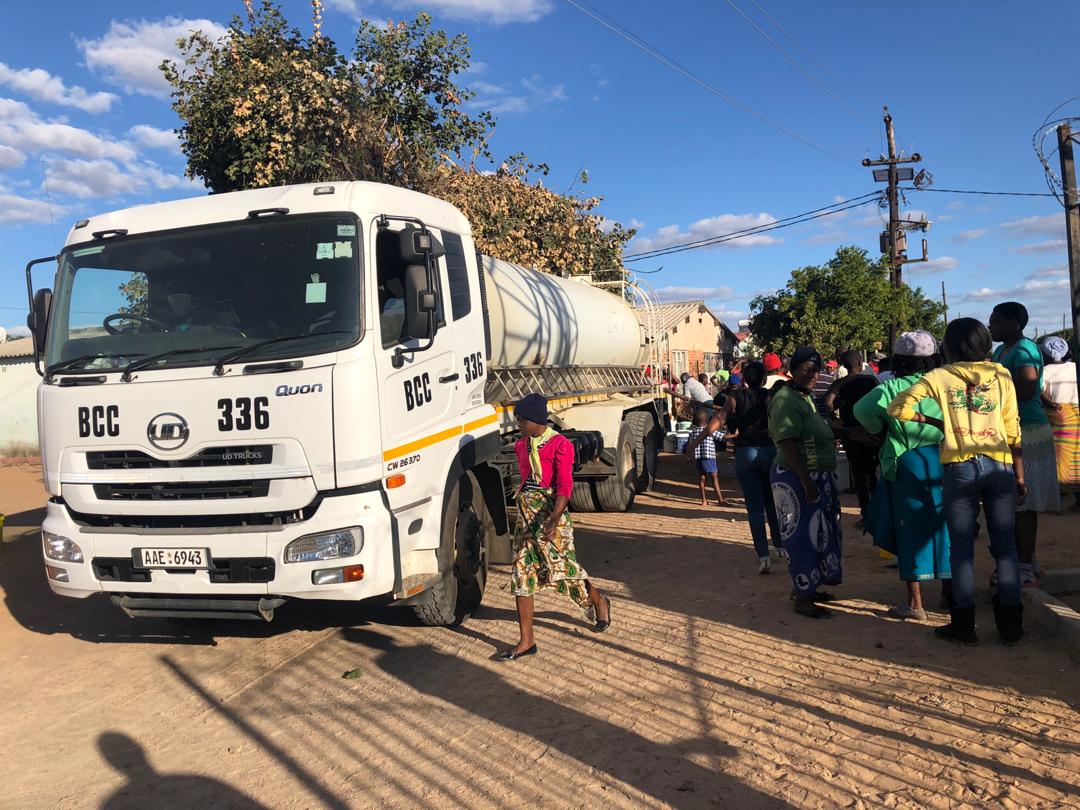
[{"x": 248, "y": 563}]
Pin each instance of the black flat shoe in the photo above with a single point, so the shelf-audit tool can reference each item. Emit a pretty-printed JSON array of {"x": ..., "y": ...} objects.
[
  {"x": 601, "y": 626},
  {"x": 510, "y": 655}
]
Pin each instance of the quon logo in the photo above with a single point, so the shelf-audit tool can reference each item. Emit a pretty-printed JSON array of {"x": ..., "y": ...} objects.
[{"x": 293, "y": 390}]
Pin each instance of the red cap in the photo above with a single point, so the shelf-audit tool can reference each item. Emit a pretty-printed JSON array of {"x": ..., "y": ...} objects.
[{"x": 772, "y": 363}]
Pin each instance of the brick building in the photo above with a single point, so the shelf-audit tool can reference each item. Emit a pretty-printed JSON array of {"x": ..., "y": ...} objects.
[{"x": 693, "y": 339}]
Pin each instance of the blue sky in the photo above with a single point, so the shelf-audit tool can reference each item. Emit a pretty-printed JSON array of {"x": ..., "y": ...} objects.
[{"x": 80, "y": 98}]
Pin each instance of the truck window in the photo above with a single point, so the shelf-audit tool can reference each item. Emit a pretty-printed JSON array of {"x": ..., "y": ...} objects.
[
  {"x": 390, "y": 282},
  {"x": 226, "y": 285},
  {"x": 457, "y": 275}
]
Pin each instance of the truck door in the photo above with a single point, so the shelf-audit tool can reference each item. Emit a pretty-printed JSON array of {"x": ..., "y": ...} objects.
[{"x": 419, "y": 399}]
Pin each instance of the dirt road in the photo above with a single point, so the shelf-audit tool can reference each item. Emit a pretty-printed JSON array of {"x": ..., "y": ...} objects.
[{"x": 707, "y": 691}]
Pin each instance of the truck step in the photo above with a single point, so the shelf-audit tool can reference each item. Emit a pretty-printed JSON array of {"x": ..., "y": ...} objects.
[{"x": 173, "y": 607}]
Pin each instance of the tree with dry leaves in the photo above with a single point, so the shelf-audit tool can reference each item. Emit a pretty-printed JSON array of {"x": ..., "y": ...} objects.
[{"x": 265, "y": 105}]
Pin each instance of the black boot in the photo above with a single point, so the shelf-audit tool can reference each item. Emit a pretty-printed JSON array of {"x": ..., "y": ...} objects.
[
  {"x": 1009, "y": 620},
  {"x": 961, "y": 629}
]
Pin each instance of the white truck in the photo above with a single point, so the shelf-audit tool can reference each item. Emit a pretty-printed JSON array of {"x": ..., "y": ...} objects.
[{"x": 307, "y": 392}]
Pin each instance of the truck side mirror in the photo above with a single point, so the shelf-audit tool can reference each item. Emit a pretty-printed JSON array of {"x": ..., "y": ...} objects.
[
  {"x": 420, "y": 304},
  {"x": 415, "y": 244},
  {"x": 38, "y": 319}
]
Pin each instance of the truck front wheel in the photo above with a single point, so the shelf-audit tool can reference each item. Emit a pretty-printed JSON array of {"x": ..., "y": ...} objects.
[{"x": 467, "y": 529}]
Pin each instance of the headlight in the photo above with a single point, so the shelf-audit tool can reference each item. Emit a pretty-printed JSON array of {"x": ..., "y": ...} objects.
[
  {"x": 325, "y": 545},
  {"x": 60, "y": 548}
]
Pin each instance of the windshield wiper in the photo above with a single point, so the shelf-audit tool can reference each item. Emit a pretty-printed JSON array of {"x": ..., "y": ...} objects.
[
  {"x": 149, "y": 361},
  {"x": 85, "y": 358},
  {"x": 219, "y": 369}
]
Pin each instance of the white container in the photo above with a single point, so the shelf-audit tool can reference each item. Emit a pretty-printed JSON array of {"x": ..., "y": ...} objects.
[{"x": 539, "y": 319}]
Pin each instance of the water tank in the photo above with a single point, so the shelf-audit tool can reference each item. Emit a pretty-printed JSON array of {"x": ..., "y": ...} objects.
[{"x": 537, "y": 319}]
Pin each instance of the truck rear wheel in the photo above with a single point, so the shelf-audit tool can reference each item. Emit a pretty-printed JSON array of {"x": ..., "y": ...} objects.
[
  {"x": 466, "y": 530},
  {"x": 645, "y": 449},
  {"x": 616, "y": 493}
]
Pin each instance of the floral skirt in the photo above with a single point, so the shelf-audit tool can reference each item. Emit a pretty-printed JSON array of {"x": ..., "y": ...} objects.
[{"x": 543, "y": 563}]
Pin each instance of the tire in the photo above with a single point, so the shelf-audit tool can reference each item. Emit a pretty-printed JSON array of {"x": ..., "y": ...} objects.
[
  {"x": 466, "y": 531},
  {"x": 645, "y": 449},
  {"x": 583, "y": 497},
  {"x": 616, "y": 493}
]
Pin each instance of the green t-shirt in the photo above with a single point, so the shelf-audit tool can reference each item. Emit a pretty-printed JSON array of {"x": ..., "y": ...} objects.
[
  {"x": 792, "y": 415},
  {"x": 1025, "y": 353},
  {"x": 872, "y": 413}
]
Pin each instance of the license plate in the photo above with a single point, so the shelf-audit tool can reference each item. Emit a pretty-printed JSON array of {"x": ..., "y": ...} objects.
[{"x": 172, "y": 558}]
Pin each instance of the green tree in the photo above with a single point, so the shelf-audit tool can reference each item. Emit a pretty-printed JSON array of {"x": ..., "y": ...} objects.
[
  {"x": 266, "y": 106},
  {"x": 843, "y": 304}
]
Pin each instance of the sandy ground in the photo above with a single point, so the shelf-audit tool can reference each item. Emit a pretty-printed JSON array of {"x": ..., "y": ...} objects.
[{"x": 707, "y": 691}]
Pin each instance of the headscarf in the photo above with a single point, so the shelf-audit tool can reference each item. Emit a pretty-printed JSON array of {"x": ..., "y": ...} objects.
[
  {"x": 722, "y": 375},
  {"x": 735, "y": 379},
  {"x": 772, "y": 363},
  {"x": 1054, "y": 348},
  {"x": 916, "y": 344}
]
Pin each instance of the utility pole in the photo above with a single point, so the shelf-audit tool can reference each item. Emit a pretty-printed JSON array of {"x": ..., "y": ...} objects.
[
  {"x": 1072, "y": 228},
  {"x": 894, "y": 241},
  {"x": 945, "y": 303}
]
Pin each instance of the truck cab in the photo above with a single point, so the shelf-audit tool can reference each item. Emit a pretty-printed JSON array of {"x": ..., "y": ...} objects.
[{"x": 267, "y": 394}]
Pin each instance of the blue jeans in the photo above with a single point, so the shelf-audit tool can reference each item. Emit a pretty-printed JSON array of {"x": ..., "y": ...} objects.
[
  {"x": 964, "y": 485},
  {"x": 752, "y": 465}
]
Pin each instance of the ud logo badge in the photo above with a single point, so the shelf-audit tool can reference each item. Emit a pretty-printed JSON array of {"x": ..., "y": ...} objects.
[{"x": 167, "y": 431}]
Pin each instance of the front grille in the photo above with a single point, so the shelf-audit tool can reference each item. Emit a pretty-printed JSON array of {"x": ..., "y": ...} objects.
[
  {"x": 210, "y": 457},
  {"x": 224, "y": 571},
  {"x": 183, "y": 491}
]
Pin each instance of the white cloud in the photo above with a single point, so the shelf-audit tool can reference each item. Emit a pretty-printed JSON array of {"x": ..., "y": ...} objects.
[
  {"x": 103, "y": 178},
  {"x": 1049, "y": 246},
  {"x": 496, "y": 12},
  {"x": 1049, "y": 225},
  {"x": 522, "y": 97},
  {"x": 635, "y": 223},
  {"x": 707, "y": 228},
  {"x": 956, "y": 205},
  {"x": 130, "y": 52},
  {"x": 350, "y": 7},
  {"x": 22, "y": 129},
  {"x": 17, "y": 331},
  {"x": 42, "y": 85},
  {"x": 10, "y": 158},
  {"x": 938, "y": 265},
  {"x": 968, "y": 236},
  {"x": 1054, "y": 271},
  {"x": 153, "y": 137},
  {"x": 669, "y": 294},
  {"x": 1032, "y": 292},
  {"x": 827, "y": 238},
  {"x": 19, "y": 210}
]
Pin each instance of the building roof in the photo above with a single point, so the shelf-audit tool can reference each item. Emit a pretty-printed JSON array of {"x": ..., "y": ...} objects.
[
  {"x": 19, "y": 347},
  {"x": 669, "y": 316}
]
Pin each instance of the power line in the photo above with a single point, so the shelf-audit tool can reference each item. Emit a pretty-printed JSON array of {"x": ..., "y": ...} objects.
[
  {"x": 984, "y": 193},
  {"x": 786, "y": 222},
  {"x": 659, "y": 55},
  {"x": 805, "y": 72},
  {"x": 809, "y": 53}
]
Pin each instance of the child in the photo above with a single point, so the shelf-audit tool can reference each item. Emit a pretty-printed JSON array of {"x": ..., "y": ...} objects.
[
  {"x": 704, "y": 453},
  {"x": 981, "y": 462}
]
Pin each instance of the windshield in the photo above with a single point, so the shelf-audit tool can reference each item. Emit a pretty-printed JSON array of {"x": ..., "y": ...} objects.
[{"x": 193, "y": 295}]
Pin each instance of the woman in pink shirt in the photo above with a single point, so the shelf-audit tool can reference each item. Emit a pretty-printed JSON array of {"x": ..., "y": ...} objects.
[{"x": 544, "y": 553}]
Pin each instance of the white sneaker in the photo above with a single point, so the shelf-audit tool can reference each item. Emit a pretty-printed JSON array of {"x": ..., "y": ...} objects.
[{"x": 764, "y": 565}]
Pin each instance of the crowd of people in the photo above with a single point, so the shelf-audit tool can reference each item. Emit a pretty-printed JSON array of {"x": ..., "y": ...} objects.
[{"x": 931, "y": 435}]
